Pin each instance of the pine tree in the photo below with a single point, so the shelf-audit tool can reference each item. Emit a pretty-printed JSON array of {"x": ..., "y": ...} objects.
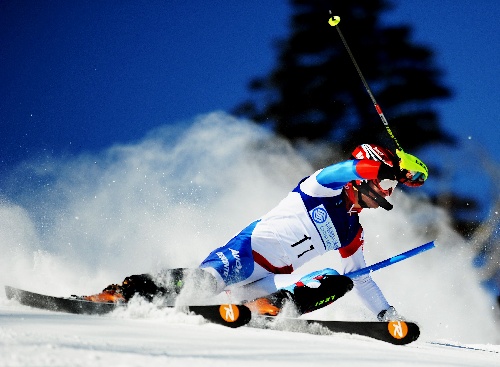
[{"x": 316, "y": 94}]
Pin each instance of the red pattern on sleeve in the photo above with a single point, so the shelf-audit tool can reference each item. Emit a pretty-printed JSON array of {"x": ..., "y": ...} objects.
[{"x": 368, "y": 169}]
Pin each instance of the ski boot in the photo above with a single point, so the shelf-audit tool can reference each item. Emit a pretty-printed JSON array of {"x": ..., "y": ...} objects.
[
  {"x": 167, "y": 284},
  {"x": 111, "y": 294},
  {"x": 141, "y": 284},
  {"x": 270, "y": 305}
]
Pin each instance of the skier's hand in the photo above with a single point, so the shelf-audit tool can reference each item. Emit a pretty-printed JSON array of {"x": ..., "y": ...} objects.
[{"x": 389, "y": 315}]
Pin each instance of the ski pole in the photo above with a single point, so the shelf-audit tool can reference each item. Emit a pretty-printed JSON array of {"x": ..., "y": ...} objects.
[
  {"x": 334, "y": 21},
  {"x": 391, "y": 260},
  {"x": 410, "y": 162}
]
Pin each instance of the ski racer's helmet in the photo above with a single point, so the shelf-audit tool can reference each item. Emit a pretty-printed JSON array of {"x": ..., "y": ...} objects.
[
  {"x": 375, "y": 153},
  {"x": 380, "y": 154}
]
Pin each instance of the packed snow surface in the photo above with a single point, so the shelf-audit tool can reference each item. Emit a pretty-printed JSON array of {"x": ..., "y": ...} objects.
[{"x": 42, "y": 338}]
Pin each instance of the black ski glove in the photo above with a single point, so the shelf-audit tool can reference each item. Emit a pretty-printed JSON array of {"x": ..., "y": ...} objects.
[{"x": 386, "y": 172}]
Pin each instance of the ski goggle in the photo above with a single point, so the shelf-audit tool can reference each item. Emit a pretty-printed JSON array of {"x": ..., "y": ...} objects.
[
  {"x": 417, "y": 176},
  {"x": 417, "y": 169},
  {"x": 417, "y": 179}
]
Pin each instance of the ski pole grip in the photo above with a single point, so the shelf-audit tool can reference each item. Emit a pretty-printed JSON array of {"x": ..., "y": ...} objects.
[{"x": 333, "y": 21}]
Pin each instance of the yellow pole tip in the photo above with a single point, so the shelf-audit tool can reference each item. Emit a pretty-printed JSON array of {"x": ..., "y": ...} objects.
[{"x": 333, "y": 21}]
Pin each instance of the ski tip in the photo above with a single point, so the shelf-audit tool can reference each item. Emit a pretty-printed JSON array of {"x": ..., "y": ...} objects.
[
  {"x": 403, "y": 332},
  {"x": 235, "y": 315}
]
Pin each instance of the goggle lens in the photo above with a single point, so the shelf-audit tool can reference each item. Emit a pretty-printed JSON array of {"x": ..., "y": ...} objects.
[{"x": 417, "y": 176}]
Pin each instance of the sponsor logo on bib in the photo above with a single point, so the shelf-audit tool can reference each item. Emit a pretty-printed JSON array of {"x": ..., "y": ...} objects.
[{"x": 325, "y": 227}]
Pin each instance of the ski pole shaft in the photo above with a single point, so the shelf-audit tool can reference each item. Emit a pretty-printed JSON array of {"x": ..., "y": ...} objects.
[
  {"x": 334, "y": 21},
  {"x": 391, "y": 260}
]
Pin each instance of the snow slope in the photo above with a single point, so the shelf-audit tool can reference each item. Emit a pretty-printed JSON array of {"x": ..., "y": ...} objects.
[
  {"x": 38, "y": 338},
  {"x": 75, "y": 225}
]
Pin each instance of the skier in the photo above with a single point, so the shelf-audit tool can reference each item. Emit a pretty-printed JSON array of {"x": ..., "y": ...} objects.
[{"x": 319, "y": 215}]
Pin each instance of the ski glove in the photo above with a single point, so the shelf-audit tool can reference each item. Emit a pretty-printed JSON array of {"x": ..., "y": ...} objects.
[
  {"x": 389, "y": 315},
  {"x": 395, "y": 173}
]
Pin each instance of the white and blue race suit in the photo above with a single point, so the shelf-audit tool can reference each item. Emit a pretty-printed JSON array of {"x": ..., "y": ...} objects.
[{"x": 314, "y": 218}]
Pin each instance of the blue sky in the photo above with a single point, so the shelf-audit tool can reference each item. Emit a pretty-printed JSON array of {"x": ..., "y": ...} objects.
[
  {"x": 80, "y": 76},
  {"x": 465, "y": 37}
]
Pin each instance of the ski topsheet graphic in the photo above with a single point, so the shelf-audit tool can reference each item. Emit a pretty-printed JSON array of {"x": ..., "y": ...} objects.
[
  {"x": 394, "y": 332},
  {"x": 223, "y": 314}
]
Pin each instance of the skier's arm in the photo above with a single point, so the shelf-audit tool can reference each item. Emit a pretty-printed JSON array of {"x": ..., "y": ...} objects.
[
  {"x": 337, "y": 175},
  {"x": 365, "y": 286}
]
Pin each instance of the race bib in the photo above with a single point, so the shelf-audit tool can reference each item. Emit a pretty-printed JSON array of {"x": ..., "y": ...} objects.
[{"x": 325, "y": 227}]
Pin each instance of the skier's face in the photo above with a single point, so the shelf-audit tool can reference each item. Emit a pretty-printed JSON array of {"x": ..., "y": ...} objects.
[
  {"x": 375, "y": 186},
  {"x": 386, "y": 186}
]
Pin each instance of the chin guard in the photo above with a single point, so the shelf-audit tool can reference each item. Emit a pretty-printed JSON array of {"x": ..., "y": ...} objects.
[{"x": 364, "y": 188}]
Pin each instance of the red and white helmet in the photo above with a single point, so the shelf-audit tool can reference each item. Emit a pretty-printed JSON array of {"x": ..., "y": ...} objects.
[
  {"x": 379, "y": 154},
  {"x": 375, "y": 153}
]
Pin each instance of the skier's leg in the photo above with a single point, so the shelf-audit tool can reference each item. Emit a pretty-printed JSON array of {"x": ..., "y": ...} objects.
[
  {"x": 193, "y": 285},
  {"x": 228, "y": 265},
  {"x": 232, "y": 263},
  {"x": 308, "y": 293},
  {"x": 169, "y": 283},
  {"x": 319, "y": 289},
  {"x": 166, "y": 284}
]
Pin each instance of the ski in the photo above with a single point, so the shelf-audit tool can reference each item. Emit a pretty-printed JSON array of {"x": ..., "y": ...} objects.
[
  {"x": 229, "y": 315},
  {"x": 394, "y": 332}
]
